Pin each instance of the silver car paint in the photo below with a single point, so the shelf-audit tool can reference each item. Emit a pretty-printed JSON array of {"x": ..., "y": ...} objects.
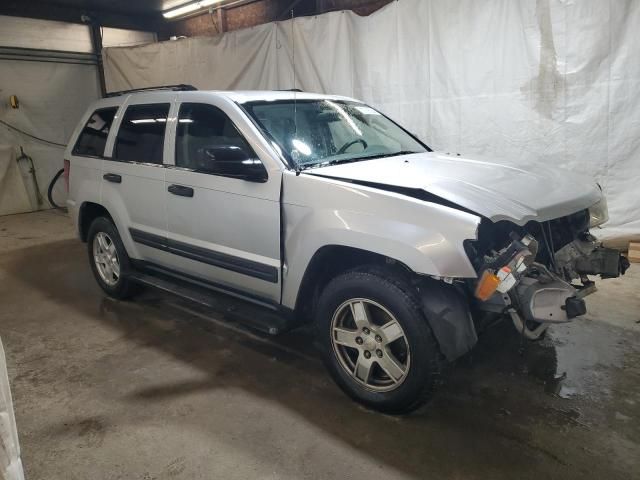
[
  {"x": 496, "y": 191},
  {"x": 85, "y": 174},
  {"x": 319, "y": 211},
  {"x": 139, "y": 201},
  {"x": 226, "y": 215},
  {"x": 426, "y": 237}
]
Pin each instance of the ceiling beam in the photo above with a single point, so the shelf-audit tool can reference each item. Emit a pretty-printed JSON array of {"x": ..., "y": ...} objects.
[{"x": 67, "y": 13}]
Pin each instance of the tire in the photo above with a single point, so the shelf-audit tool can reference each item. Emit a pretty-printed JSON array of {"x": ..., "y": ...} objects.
[
  {"x": 416, "y": 352},
  {"x": 117, "y": 286}
]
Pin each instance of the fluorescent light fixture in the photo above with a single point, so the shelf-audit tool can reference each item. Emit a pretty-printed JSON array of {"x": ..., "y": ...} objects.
[
  {"x": 176, "y": 12},
  {"x": 188, "y": 8}
]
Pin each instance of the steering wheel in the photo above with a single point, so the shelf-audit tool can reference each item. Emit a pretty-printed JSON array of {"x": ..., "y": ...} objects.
[{"x": 352, "y": 142}]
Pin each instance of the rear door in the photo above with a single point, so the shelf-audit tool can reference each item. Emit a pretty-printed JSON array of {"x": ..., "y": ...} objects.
[
  {"x": 87, "y": 153},
  {"x": 222, "y": 228},
  {"x": 133, "y": 174}
]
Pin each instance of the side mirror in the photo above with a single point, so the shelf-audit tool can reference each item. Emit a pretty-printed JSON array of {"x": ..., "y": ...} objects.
[{"x": 231, "y": 161}]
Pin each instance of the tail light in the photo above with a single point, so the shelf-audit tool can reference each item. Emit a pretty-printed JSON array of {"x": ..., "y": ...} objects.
[{"x": 67, "y": 170}]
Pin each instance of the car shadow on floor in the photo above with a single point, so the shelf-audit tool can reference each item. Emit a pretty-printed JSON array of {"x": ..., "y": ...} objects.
[{"x": 481, "y": 416}]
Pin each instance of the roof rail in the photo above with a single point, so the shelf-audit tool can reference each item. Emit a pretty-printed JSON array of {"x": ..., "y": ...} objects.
[
  {"x": 176, "y": 88},
  {"x": 289, "y": 90}
]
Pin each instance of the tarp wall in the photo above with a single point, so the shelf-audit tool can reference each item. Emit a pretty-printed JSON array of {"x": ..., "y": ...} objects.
[
  {"x": 14, "y": 197},
  {"x": 553, "y": 81},
  {"x": 53, "y": 96}
]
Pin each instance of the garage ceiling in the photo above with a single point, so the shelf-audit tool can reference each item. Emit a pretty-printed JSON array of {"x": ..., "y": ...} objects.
[
  {"x": 120, "y": 6},
  {"x": 134, "y": 14}
]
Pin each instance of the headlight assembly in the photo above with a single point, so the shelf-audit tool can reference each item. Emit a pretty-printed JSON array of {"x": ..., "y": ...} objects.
[{"x": 598, "y": 213}]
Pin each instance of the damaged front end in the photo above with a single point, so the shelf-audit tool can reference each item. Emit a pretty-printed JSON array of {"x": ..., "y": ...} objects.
[{"x": 538, "y": 274}]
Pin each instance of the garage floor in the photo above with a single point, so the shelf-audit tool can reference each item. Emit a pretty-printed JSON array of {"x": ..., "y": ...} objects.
[{"x": 156, "y": 389}]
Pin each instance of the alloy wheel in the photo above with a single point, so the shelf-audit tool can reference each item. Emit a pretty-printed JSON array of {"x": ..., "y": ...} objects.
[
  {"x": 106, "y": 258},
  {"x": 370, "y": 344}
]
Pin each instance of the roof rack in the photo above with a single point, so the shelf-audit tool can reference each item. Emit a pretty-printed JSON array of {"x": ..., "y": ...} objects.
[{"x": 182, "y": 87}]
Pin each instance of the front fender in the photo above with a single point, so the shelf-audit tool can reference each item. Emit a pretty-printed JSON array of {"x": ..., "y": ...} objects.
[{"x": 426, "y": 237}]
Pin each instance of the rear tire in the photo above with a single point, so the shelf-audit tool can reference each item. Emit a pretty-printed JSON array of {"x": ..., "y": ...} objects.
[
  {"x": 109, "y": 260},
  {"x": 376, "y": 342}
]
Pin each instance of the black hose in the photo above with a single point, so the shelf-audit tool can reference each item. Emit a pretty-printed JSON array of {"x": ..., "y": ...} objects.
[{"x": 50, "y": 189}]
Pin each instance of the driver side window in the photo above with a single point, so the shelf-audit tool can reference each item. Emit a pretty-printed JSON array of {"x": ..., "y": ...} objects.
[{"x": 207, "y": 141}]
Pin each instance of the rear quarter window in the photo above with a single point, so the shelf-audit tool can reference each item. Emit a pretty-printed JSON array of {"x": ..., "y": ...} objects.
[{"x": 93, "y": 137}]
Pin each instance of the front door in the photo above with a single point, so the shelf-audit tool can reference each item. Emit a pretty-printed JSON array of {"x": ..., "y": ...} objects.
[{"x": 223, "y": 226}]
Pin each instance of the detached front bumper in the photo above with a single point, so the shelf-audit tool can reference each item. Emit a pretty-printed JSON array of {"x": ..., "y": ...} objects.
[
  {"x": 554, "y": 301},
  {"x": 536, "y": 297}
]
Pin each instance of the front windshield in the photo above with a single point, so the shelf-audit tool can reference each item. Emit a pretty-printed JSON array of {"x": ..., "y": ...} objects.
[{"x": 312, "y": 133}]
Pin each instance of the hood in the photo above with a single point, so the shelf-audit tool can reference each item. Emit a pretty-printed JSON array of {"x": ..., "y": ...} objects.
[{"x": 495, "y": 191}]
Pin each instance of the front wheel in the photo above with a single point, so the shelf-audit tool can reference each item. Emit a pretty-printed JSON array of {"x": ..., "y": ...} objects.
[{"x": 376, "y": 342}]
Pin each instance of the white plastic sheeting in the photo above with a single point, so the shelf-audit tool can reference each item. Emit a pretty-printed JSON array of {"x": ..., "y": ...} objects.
[
  {"x": 14, "y": 197},
  {"x": 52, "y": 98},
  {"x": 72, "y": 37},
  {"x": 10, "y": 462},
  {"x": 554, "y": 81}
]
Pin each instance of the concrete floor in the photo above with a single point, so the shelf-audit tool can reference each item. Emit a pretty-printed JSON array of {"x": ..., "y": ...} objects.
[{"x": 157, "y": 388}]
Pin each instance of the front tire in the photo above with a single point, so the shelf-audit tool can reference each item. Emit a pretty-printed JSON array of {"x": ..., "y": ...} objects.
[
  {"x": 376, "y": 342},
  {"x": 108, "y": 259}
]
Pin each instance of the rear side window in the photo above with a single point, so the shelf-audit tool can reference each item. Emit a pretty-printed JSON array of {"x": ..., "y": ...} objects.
[
  {"x": 94, "y": 135},
  {"x": 141, "y": 134}
]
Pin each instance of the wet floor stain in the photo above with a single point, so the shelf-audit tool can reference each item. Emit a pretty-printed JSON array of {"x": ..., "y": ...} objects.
[{"x": 165, "y": 386}]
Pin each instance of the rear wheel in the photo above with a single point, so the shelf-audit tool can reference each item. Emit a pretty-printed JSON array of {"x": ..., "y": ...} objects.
[
  {"x": 376, "y": 342},
  {"x": 108, "y": 259}
]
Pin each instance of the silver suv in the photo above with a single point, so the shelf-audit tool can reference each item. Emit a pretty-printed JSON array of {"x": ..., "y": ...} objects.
[{"x": 319, "y": 208}]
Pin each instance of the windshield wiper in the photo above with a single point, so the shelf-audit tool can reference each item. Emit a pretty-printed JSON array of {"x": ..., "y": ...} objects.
[
  {"x": 339, "y": 161},
  {"x": 395, "y": 154},
  {"x": 329, "y": 163}
]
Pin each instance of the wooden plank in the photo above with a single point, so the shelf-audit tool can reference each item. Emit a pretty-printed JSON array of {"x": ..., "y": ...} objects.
[{"x": 634, "y": 252}]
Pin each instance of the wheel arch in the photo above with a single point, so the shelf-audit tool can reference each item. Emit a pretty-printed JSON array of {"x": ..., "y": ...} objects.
[
  {"x": 87, "y": 213},
  {"x": 331, "y": 260},
  {"x": 445, "y": 306}
]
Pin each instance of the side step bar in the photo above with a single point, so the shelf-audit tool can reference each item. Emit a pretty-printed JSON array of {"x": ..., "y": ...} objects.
[{"x": 253, "y": 316}]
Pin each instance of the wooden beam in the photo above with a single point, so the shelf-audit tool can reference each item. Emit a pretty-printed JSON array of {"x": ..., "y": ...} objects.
[{"x": 222, "y": 19}]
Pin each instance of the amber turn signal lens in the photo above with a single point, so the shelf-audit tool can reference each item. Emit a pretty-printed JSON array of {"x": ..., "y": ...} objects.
[{"x": 487, "y": 285}]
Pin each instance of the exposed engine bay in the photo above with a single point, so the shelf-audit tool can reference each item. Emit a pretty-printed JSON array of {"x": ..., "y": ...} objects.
[{"x": 538, "y": 274}]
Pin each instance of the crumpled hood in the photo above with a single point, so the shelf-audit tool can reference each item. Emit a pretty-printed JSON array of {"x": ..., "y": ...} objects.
[{"x": 496, "y": 191}]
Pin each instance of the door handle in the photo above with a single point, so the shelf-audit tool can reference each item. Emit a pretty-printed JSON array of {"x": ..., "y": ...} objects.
[
  {"x": 112, "y": 177},
  {"x": 181, "y": 190}
]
